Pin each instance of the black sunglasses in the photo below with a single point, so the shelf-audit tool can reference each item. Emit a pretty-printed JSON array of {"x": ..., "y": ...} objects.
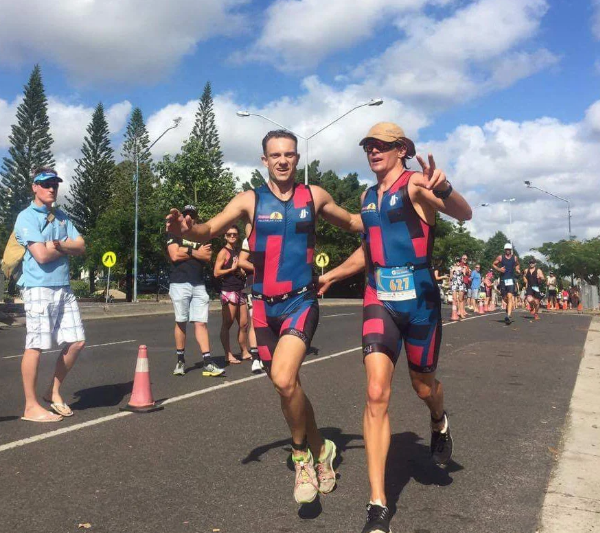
[
  {"x": 231, "y": 235},
  {"x": 46, "y": 185},
  {"x": 380, "y": 146}
]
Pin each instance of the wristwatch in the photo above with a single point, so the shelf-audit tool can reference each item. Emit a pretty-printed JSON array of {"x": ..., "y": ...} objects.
[
  {"x": 442, "y": 195},
  {"x": 189, "y": 251}
]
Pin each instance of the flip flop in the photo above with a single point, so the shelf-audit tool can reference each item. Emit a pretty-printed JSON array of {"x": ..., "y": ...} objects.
[
  {"x": 61, "y": 409},
  {"x": 234, "y": 362},
  {"x": 45, "y": 418}
]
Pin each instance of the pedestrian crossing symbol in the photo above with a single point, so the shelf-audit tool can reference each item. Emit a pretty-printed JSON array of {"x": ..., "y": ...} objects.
[
  {"x": 109, "y": 259},
  {"x": 322, "y": 260}
]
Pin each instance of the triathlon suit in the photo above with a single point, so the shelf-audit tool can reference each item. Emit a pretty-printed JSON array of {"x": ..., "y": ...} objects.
[
  {"x": 282, "y": 245},
  {"x": 533, "y": 284},
  {"x": 402, "y": 301},
  {"x": 507, "y": 279},
  {"x": 232, "y": 284}
]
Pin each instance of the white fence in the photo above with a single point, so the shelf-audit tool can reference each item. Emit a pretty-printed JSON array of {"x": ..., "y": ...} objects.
[{"x": 589, "y": 296}]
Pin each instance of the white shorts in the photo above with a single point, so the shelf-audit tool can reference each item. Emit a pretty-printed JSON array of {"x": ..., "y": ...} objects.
[
  {"x": 51, "y": 312},
  {"x": 190, "y": 302}
]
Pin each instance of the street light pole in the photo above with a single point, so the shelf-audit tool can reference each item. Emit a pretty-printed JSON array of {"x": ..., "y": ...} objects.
[
  {"x": 529, "y": 186},
  {"x": 372, "y": 102},
  {"x": 176, "y": 122},
  {"x": 510, "y": 201}
]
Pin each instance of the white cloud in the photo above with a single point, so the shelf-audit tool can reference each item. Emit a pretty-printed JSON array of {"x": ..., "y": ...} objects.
[
  {"x": 100, "y": 41},
  {"x": 302, "y": 32}
]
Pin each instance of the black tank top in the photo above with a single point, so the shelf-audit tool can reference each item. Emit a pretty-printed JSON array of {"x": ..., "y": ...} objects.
[
  {"x": 509, "y": 264},
  {"x": 231, "y": 282},
  {"x": 532, "y": 278}
]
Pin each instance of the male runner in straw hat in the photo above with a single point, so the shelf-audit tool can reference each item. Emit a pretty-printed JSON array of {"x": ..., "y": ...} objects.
[{"x": 402, "y": 301}]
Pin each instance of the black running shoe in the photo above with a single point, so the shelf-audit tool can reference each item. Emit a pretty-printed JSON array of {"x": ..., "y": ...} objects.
[
  {"x": 507, "y": 320},
  {"x": 441, "y": 444},
  {"x": 378, "y": 519}
]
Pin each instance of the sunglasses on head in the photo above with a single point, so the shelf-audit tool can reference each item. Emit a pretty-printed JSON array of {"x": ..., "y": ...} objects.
[
  {"x": 380, "y": 146},
  {"x": 48, "y": 185},
  {"x": 231, "y": 235}
]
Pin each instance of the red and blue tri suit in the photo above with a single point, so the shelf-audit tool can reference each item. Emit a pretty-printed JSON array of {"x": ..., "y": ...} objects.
[
  {"x": 398, "y": 240},
  {"x": 282, "y": 245}
]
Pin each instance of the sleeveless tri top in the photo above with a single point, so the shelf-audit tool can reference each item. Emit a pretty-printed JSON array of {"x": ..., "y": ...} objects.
[
  {"x": 509, "y": 263},
  {"x": 532, "y": 278},
  {"x": 395, "y": 234},
  {"x": 282, "y": 241}
]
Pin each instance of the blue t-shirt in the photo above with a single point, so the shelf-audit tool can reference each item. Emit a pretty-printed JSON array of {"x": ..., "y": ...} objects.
[
  {"x": 475, "y": 280},
  {"x": 29, "y": 228}
]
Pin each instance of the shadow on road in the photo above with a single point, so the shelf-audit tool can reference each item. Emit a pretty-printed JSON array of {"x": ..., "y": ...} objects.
[
  {"x": 8, "y": 418},
  {"x": 101, "y": 396},
  {"x": 408, "y": 459}
]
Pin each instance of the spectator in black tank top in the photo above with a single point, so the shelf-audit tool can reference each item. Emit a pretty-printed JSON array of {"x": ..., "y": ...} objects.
[{"x": 233, "y": 300}]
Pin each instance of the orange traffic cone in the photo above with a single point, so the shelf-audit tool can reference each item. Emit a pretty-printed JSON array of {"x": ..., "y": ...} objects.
[
  {"x": 481, "y": 309},
  {"x": 580, "y": 308},
  {"x": 141, "y": 400},
  {"x": 549, "y": 306},
  {"x": 565, "y": 305},
  {"x": 454, "y": 312}
]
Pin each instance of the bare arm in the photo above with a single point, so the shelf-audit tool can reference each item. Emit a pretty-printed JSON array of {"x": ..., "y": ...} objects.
[
  {"x": 244, "y": 262},
  {"x": 71, "y": 246},
  {"x": 496, "y": 263},
  {"x": 44, "y": 252},
  {"x": 333, "y": 213},
  {"x": 179, "y": 253},
  {"x": 219, "y": 270},
  {"x": 353, "y": 265},
  {"x": 240, "y": 206}
]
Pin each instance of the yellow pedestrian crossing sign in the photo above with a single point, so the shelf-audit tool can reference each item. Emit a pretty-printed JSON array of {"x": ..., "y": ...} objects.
[
  {"x": 322, "y": 260},
  {"x": 109, "y": 259}
]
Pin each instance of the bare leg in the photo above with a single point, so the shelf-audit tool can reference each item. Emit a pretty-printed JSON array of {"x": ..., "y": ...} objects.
[
  {"x": 376, "y": 420},
  {"x": 201, "y": 332},
  {"x": 296, "y": 407},
  {"x": 29, "y": 368},
  {"x": 430, "y": 390},
  {"x": 242, "y": 318},
  {"x": 64, "y": 363},
  {"x": 180, "y": 328},
  {"x": 228, "y": 316}
]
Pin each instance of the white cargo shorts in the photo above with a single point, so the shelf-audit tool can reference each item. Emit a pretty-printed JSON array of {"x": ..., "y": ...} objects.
[{"x": 190, "y": 302}]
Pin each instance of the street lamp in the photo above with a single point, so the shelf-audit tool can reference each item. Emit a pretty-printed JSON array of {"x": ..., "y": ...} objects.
[
  {"x": 176, "y": 122},
  {"x": 373, "y": 102},
  {"x": 509, "y": 201},
  {"x": 529, "y": 186}
]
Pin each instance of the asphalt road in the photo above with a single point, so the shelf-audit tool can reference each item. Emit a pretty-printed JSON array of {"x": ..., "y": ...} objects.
[{"x": 217, "y": 459}]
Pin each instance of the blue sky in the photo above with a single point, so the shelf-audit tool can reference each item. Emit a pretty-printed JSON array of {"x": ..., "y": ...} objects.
[{"x": 499, "y": 91}]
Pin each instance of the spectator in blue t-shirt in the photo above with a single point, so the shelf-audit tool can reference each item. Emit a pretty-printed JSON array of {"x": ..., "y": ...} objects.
[
  {"x": 473, "y": 294},
  {"x": 51, "y": 309}
]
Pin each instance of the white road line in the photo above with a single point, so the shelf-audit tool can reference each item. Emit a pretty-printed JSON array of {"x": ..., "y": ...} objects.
[
  {"x": 340, "y": 314},
  {"x": 108, "y": 418},
  {"x": 472, "y": 318},
  {"x": 90, "y": 346}
]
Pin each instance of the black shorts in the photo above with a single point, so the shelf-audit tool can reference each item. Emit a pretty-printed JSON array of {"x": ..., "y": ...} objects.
[
  {"x": 297, "y": 316},
  {"x": 552, "y": 293},
  {"x": 504, "y": 290},
  {"x": 535, "y": 294}
]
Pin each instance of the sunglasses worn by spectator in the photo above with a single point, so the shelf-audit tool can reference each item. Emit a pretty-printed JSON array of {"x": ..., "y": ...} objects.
[
  {"x": 380, "y": 146},
  {"x": 231, "y": 235},
  {"x": 46, "y": 185}
]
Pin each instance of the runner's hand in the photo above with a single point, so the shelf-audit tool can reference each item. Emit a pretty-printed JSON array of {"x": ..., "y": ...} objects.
[
  {"x": 432, "y": 178},
  {"x": 177, "y": 224},
  {"x": 323, "y": 285}
]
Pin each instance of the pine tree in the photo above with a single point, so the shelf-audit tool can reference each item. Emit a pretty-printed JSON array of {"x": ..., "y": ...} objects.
[
  {"x": 91, "y": 188},
  {"x": 205, "y": 132},
  {"x": 31, "y": 144},
  {"x": 136, "y": 139}
]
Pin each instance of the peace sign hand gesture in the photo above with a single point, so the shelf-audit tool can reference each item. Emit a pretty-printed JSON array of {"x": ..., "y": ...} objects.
[{"x": 432, "y": 178}]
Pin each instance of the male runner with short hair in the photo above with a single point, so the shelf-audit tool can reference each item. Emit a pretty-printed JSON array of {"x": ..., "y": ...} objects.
[
  {"x": 280, "y": 221},
  {"x": 402, "y": 301},
  {"x": 508, "y": 266},
  {"x": 533, "y": 277}
]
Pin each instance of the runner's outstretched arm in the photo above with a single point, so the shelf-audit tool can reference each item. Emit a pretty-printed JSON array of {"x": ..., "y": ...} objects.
[
  {"x": 353, "y": 265},
  {"x": 182, "y": 226},
  {"x": 333, "y": 213}
]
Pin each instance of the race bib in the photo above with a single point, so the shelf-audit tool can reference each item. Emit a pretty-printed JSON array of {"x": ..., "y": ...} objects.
[
  {"x": 508, "y": 282},
  {"x": 535, "y": 288},
  {"x": 395, "y": 284}
]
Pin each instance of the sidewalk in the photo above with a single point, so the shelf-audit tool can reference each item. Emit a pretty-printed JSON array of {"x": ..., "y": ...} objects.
[
  {"x": 572, "y": 503},
  {"x": 97, "y": 311}
]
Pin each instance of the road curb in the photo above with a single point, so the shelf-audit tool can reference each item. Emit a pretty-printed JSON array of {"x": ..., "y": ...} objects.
[{"x": 572, "y": 502}]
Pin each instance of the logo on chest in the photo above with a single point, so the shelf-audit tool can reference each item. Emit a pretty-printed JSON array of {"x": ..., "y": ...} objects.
[
  {"x": 394, "y": 200},
  {"x": 275, "y": 216},
  {"x": 369, "y": 207}
]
